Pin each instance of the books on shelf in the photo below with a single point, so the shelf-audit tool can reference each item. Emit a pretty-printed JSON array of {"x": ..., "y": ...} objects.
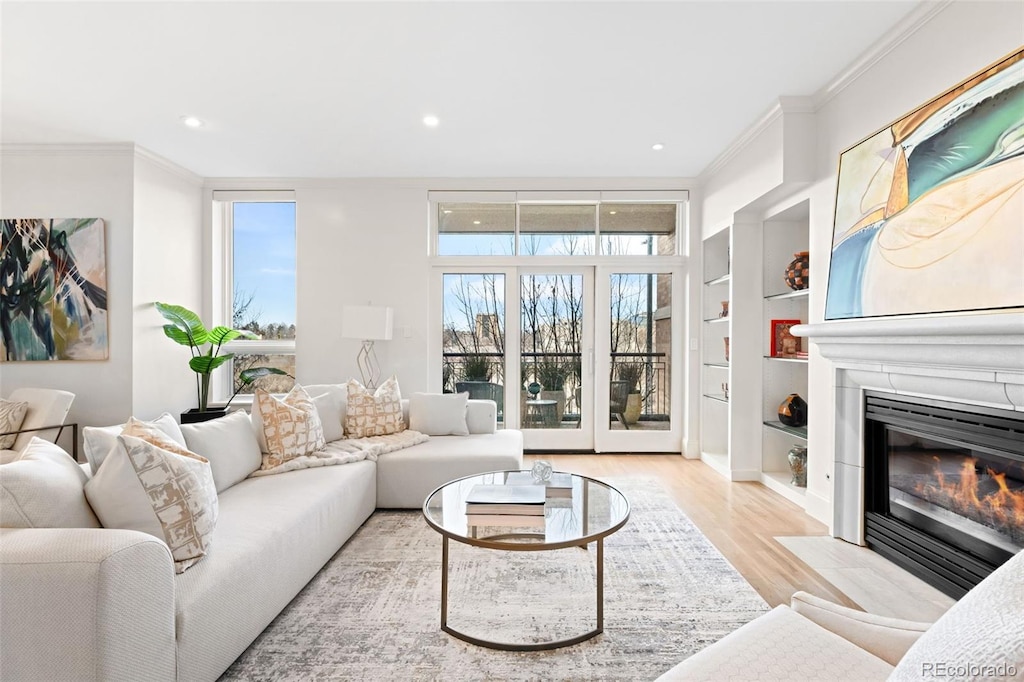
[
  {"x": 522, "y": 500},
  {"x": 559, "y": 485},
  {"x": 507, "y": 520}
]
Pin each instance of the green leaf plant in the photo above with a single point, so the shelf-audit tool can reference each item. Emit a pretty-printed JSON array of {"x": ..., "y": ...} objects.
[{"x": 185, "y": 328}]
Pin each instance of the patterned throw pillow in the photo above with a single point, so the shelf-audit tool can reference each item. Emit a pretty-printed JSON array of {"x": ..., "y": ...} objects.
[
  {"x": 291, "y": 426},
  {"x": 170, "y": 495},
  {"x": 374, "y": 414},
  {"x": 12, "y": 414}
]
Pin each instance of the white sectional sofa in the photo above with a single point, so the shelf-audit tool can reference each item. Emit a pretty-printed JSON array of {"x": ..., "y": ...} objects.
[
  {"x": 102, "y": 604},
  {"x": 980, "y": 638}
]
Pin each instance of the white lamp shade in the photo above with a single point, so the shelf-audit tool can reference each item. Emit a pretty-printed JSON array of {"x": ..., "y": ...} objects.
[{"x": 367, "y": 322}]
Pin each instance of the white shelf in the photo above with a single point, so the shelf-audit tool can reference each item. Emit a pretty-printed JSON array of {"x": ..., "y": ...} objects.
[
  {"x": 716, "y": 365},
  {"x": 717, "y": 320},
  {"x": 720, "y": 397},
  {"x": 802, "y": 293},
  {"x": 779, "y": 481},
  {"x": 795, "y": 431},
  {"x": 719, "y": 280},
  {"x": 782, "y": 359}
]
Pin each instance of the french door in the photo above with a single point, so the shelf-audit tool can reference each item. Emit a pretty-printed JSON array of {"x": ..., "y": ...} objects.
[{"x": 578, "y": 358}]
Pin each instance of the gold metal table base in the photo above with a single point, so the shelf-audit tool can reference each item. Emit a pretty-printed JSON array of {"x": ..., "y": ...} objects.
[{"x": 539, "y": 646}]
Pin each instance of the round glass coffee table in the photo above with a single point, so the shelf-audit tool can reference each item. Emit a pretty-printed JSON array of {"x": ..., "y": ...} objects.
[{"x": 582, "y": 511}]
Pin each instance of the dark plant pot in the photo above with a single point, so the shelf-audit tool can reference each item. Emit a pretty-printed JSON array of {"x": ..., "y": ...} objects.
[{"x": 195, "y": 416}]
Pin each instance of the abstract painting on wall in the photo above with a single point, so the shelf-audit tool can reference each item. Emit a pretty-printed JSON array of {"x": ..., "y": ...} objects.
[
  {"x": 53, "y": 289},
  {"x": 930, "y": 211}
]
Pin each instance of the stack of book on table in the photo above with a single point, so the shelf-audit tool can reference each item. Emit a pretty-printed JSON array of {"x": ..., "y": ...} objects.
[
  {"x": 559, "y": 485},
  {"x": 505, "y": 505}
]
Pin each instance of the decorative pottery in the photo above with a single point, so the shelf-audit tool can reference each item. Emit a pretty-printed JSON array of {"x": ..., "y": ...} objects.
[
  {"x": 633, "y": 408},
  {"x": 798, "y": 465},
  {"x": 541, "y": 471},
  {"x": 798, "y": 272},
  {"x": 534, "y": 389},
  {"x": 727, "y": 349},
  {"x": 725, "y": 309},
  {"x": 793, "y": 411}
]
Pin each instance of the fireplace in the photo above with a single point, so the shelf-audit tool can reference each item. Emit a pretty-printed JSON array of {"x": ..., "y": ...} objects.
[{"x": 944, "y": 487}]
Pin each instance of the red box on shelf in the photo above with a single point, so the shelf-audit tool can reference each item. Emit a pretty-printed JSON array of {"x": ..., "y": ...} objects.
[{"x": 782, "y": 344}]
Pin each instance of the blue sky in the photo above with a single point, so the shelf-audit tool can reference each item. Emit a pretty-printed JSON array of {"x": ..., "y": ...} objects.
[{"x": 264, "y": 258}]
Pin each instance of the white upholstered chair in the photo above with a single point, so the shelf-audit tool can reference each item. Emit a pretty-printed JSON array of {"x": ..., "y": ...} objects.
[{"x": 47, "y": 410}]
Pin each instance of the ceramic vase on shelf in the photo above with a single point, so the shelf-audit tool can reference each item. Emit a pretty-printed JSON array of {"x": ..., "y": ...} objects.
[
  {"x": 798, "y": 272},
  {"x": 727, "y": 349},
  {"x": 798, "y": 465},
  {"x": 793, "y": 411}
]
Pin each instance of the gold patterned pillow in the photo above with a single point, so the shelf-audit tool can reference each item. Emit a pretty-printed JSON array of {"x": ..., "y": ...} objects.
[
  {"x": 170, "y": 495},
  {"x": 12, "y": 414},
  {"x": 374, "y": 414},
  {"x": 291, "y": 427}
]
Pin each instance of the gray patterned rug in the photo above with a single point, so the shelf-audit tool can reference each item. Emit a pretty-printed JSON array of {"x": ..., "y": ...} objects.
[{"x": 373, "y": 612}]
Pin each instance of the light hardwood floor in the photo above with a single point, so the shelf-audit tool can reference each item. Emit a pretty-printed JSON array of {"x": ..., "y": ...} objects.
[{"x": 741, "y": 519}]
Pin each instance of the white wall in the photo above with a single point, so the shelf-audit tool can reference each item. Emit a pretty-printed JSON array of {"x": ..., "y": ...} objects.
[
  {"x": 152, "y": 216},
  {"x": 81, "y": 183},
  {"x": 362, "y": 242},
  {"x": 167, "y": 261},
  {"x": 957, "y": 41}
]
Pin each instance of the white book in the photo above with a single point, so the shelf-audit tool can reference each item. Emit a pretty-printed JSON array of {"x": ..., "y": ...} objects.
[
  {"x": 505, "y": 494},
  {"x": 508, "y": 520}
]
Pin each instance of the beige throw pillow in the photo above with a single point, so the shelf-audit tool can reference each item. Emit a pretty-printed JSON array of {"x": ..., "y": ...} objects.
[
  {"x": 170, "y": 495},
  {"x": 12, "y": 414},
  {"x": 97, "y": 441},
  {"x": 291, "y": 427},
  {"x": 374, "y": 414}
]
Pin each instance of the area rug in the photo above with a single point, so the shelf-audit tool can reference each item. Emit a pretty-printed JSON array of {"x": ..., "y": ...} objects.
[{"x": 373, "y": 612}]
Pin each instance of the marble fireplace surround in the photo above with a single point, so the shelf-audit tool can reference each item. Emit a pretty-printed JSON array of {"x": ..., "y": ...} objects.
[{"x": 972, "y": 359}]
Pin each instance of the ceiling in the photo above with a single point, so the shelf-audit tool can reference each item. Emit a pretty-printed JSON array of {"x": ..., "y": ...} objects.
[{"x": 340, "y": 89}]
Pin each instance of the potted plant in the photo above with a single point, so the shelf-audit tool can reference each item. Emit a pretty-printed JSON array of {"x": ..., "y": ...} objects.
[
  {"x": 632, "y": 373},
  {"x": 476, "y": 368},
  {"x": 185, "y": 328}
]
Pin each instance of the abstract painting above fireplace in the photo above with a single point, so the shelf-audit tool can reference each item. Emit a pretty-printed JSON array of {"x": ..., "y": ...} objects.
[
  {"x": 944, "y": 487},
  {"x": 929, "y": 209}
]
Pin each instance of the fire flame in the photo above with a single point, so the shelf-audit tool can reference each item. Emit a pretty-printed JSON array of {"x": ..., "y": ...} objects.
[{"x": 1001, "y": 508}]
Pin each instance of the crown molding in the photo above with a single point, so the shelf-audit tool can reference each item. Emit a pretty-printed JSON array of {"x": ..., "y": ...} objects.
[
  {"x": 87, "y": 149},
  {"x": 889, "y": 41},
  {"x": 174, "y": 169},
  {"x": 745, "y": 138}
]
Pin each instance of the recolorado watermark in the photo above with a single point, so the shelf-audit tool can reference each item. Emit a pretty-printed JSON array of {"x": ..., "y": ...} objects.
[{"x": 963, "y": 670}]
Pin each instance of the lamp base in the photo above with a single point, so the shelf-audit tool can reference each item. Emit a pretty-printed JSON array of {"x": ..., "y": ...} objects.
[{"x": 369, "y": 367}]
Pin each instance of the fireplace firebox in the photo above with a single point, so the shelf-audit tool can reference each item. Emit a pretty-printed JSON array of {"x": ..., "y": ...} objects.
[{"x": 944, "y": 487}]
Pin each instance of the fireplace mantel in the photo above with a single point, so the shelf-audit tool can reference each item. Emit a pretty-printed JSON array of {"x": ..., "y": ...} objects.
[{"x": 974, "y": 359}]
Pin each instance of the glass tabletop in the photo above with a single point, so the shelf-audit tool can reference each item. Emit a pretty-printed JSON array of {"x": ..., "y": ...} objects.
[{"x": 586, "y": 511}]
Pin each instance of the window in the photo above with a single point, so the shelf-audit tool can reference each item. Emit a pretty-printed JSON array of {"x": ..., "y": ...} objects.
[
  {"x": 557, "y": 223},
  {"x": 258, "y": 285}
]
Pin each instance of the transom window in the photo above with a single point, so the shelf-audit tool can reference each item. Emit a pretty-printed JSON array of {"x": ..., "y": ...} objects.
[{"x": 597, "y": 223}]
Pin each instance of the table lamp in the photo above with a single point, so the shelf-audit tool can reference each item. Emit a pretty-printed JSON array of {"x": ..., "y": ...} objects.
[{"x": 368, "y": 324}]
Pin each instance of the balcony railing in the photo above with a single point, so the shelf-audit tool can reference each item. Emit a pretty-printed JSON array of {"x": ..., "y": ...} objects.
[{"x": 560, "y": 372}]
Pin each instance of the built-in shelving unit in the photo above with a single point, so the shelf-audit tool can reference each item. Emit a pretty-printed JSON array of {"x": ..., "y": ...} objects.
[
  {"x": 715, "y": 375},
  {"x": 783, "y": 236}
]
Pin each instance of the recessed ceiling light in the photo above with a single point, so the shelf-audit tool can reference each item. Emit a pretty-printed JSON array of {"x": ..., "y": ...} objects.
[
  {"x": 192, "y": 121},
  {"x": 447, "y": 211},
  {"x": 476, "y": 222},
  {"x": 612, "y": 212},
  {"x": 657, "y": 146},
  {"x": 431, "y": 121}
]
